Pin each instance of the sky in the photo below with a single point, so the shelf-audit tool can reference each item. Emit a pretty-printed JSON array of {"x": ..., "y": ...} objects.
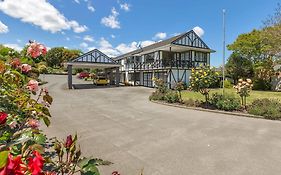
[{"x": 119, "y": 26}]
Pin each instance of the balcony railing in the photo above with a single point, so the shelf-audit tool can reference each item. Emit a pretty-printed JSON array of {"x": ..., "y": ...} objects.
[{"x": 159, "y": 64}]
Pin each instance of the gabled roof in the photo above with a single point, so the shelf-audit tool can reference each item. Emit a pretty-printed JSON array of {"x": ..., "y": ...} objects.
[
  {"x": 94, "y": 56},
  {"x": 191, "y": 40}
]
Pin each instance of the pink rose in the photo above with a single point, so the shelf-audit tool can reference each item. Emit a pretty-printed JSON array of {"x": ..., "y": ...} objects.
[
  {"x": 33, "y": 123},
  {"x": 25, "y": 68},
  {"x": 36, "y": 49},
  {"x": 33, "y": 85},
  {"x": 15, "y": 62}
]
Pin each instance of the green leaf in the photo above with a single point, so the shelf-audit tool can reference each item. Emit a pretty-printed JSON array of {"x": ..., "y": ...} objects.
[
  {"x": 3, "y": 158},
  {"x": 83, "y": 162},
  {"x": 46, "y": 111},
  {"x": 48, "y": 99},
  {"x": 39, "y": 138},
  {"x": 46, "y": 121},
  {"x": 90, "y": 169},
  {"x": 38, "y": 148},
  {"x": 98, "y": 162}
]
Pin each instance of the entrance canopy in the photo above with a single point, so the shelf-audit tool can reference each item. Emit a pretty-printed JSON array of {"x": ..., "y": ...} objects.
[{"x": 94, "y": 59}]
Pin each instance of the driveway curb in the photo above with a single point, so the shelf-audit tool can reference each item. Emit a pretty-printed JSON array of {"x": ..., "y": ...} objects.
[{"x": 209, "y": 110}]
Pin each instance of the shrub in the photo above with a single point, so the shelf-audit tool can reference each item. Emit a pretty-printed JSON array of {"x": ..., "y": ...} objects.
[
  {"x": 172, "y": 97},
  {"x": 192, "y": 103},
  {"x": 269, "y": 109},
  {"x": 202, "y": 79},
  {"x": 227, "y": 84},
  {"x": 243, "y": 89},
  {"x": 160, "y": 85},
  {"x": 24, "y": 148},
  {"x": 260, "y": 84},
  {"x": 157, "y": 96},
  {"x": 225, "y": 102},
  {"x": 179, "y": 87}
]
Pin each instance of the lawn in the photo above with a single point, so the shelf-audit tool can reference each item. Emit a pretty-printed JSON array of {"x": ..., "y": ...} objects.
[{"x": 253, "y": 94}]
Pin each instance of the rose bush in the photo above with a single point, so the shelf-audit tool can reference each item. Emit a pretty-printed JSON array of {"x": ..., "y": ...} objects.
[
  {"x": 24, "y": 148},
  {"x": 203, "y": 79},
  {"x": 243, "y": 89}
]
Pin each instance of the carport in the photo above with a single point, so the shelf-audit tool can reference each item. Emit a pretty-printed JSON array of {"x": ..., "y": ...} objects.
[{"x": 95, "y": 59}]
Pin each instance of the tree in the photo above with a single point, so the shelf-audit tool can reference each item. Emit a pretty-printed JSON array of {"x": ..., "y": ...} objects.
[
  {"x": 58, "y": 55},
  {"x": 272, "y": 32},
  {"x": 238, "y": 67},
  {"x": 250, "y": 46},
  {"x": 54, "y": 57},
  {"x": 70, "y": 54},
  {"x": 263, "y": 73}
]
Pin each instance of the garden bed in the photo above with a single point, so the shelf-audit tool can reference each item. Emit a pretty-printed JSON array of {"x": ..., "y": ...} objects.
[{"x": 236, "y": 113}]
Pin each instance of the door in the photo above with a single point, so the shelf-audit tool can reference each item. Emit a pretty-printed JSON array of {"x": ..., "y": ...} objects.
[{"x": 147, "y": 79}]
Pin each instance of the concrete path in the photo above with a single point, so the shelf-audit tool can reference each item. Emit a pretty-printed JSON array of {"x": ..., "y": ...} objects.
[{"x": 122, "y": 126}]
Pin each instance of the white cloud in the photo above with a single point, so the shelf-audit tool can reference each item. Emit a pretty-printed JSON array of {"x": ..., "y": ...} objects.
[
  {"x": 146, "y": 43},
  {"x": 77, "y": 1},
  {"x": 91, "y": 8},
  {"x": 111, "y": 21},
  {"x": 67, "y": 39},
  {"x": 199, "y": 31},
  {"x": 14, "y": 46},
  {"x": 160, "y": 35},
  {"x": 41, "y": 13},
  {"x": 84, "y": 45},
  {"x": 125, "y": 7},
  {"x": 77, "y": 28},
  {"x": 113, "y": 36},
  {"x": 3, "y": 28},
  {"x": 125, "y": 48},
  {"x": 107, "y": 48},
  {"x": 88, "y": 38}
]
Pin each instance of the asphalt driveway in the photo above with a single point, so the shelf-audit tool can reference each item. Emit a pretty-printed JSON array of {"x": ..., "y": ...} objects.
[{"x": 122, "y": 126}]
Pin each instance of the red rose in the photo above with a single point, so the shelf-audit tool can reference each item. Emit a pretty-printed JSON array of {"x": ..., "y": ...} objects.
[
  {"x": 14, "y": 166},
  {"x": 68, "y": 142},
  {"x": 35, "y": 164},
  {"x": 115, "y": 173},
  {"x": 3, "y": 118}
]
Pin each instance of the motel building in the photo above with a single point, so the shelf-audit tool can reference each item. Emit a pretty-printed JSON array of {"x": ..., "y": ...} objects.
[{"x": 171, "y": 60}]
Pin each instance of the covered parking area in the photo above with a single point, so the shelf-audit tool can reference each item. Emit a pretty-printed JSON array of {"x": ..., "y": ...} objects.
[{"x": 95, "y": 59}]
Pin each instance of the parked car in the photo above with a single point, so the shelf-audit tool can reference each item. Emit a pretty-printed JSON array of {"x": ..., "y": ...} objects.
[
  {"x": 83, "y": 75},
  {"x": 101, "y": 81}
]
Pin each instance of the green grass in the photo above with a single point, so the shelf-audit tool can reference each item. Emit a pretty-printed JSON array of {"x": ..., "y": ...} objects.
[{"x": 253, "y": 94}]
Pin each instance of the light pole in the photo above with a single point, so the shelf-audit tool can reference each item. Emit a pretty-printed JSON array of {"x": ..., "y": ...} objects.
[{"x": 223, "y": 51}]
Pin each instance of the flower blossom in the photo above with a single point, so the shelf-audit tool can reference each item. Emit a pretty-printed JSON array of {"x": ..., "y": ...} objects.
[
  {"x": 14, "y": 166},
  {"x": 33, "y": 85},
  {"x": 68, "y": 142},
  {"x": 15, "y": 63},
  {"x": 36, "y": 49},
  {"x": 35, "y": 164},
  {"x": 3, "y": 118},
  {"x": 33, "y": 123},
  {"x": 25, "y": 68}
]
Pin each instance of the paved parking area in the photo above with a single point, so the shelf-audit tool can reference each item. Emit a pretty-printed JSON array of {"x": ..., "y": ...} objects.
[{"x": 121, "y": 125}]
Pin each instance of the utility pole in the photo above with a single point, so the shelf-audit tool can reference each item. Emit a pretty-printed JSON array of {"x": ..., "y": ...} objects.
[{"x": 223, "y": 51}]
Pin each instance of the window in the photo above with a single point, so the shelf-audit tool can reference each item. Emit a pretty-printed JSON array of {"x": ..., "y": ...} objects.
[{"x": 149, "y": 58}]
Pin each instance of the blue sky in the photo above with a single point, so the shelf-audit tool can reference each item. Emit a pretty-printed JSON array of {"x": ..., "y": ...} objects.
[{"x": 118, "y": 26}]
